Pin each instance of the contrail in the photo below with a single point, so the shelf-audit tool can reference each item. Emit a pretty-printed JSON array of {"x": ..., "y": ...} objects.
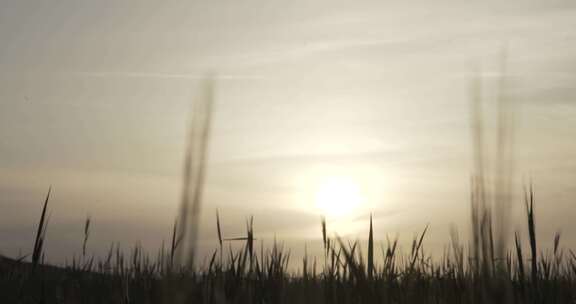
[{"x": 162, "y": 75}]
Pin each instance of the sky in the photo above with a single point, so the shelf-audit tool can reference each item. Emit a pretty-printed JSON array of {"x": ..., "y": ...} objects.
[{"x": 369, "y": 100}]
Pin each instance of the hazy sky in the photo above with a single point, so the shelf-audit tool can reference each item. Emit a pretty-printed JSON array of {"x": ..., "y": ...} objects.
[{"x": 95, "y": 99}]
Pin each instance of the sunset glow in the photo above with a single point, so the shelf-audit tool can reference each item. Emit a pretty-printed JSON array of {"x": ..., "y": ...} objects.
[{"x": 338, "y": 197}]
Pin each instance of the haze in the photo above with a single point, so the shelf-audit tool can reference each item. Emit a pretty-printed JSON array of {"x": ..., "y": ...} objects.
[{"x": 95, "y": 100}]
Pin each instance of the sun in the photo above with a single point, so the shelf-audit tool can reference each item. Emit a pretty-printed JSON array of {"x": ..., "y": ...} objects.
[{"x": 338, "y": 197}]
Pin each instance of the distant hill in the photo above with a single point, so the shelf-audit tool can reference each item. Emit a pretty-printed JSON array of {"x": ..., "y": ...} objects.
[{"x": 10, "y": 264}]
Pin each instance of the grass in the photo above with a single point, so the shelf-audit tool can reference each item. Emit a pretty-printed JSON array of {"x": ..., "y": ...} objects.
[{"x": 251, "y": 275}]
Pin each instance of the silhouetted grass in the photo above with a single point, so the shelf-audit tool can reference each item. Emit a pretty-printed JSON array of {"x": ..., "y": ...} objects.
[{"x": 244, "y": 276}]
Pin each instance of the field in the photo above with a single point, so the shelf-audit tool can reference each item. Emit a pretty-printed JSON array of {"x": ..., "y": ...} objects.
[{"x": 347, "y": 273}]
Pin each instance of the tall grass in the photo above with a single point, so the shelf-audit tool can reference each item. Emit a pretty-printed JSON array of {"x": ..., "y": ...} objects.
[
  {"x": 194, "y": 176},
  {"x": 346, "y": 276},
  {"x": 37, "y": 252}
]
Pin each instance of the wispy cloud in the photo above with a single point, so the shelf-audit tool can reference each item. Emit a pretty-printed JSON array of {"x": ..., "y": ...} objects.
[{"x": 199, "y": 76}]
